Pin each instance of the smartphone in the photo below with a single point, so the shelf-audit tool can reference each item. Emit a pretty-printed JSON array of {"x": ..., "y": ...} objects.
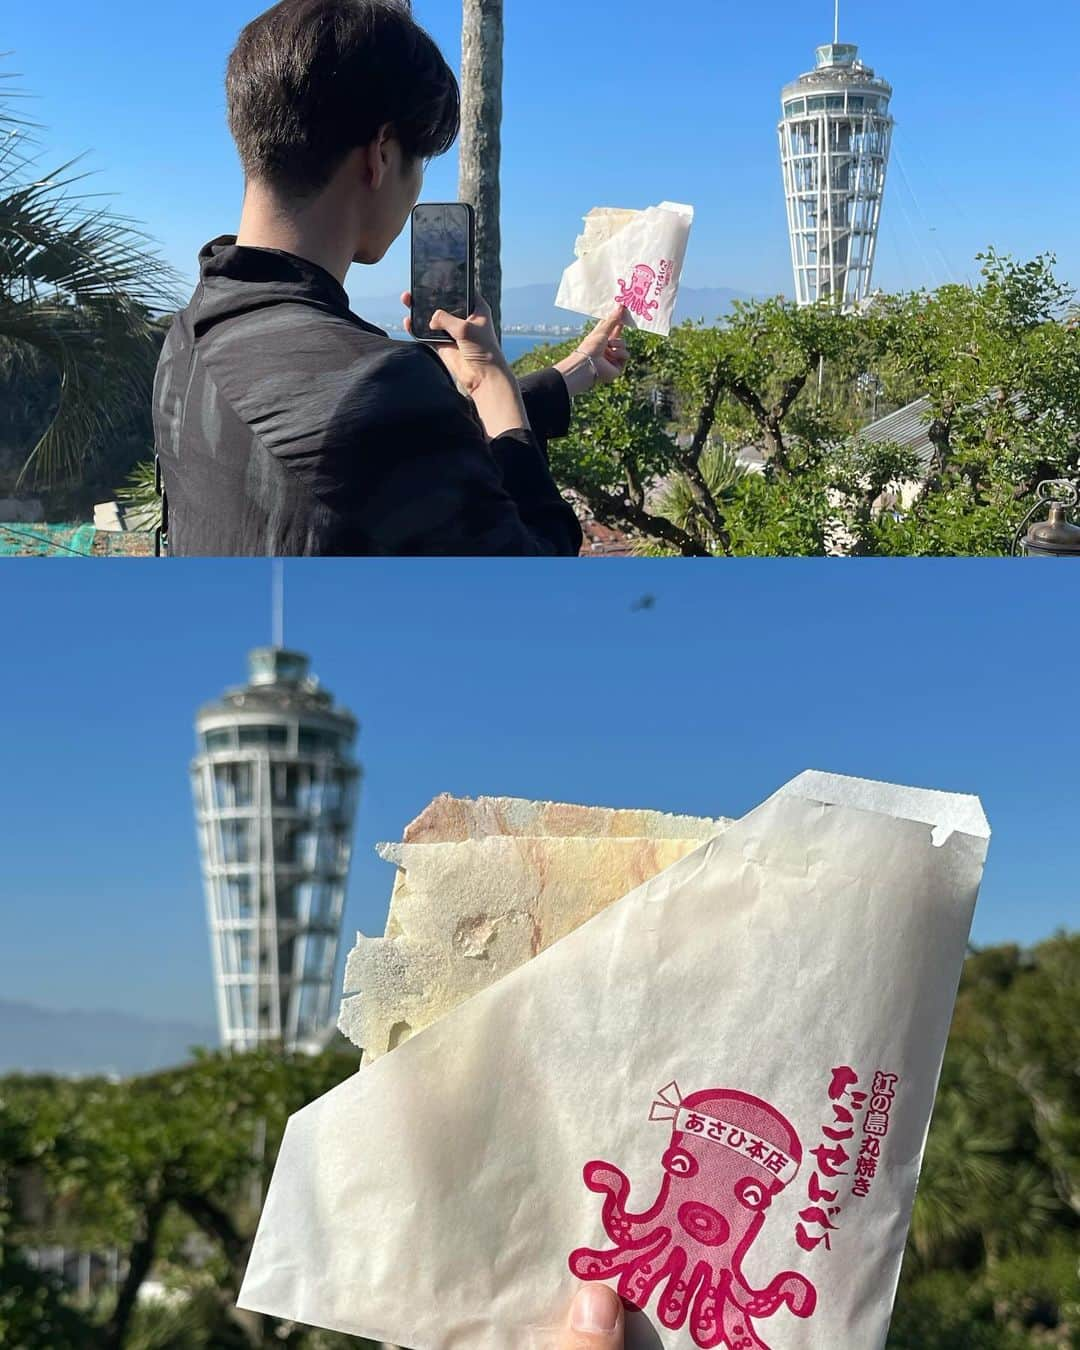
[{"x": 443, "y": 265}]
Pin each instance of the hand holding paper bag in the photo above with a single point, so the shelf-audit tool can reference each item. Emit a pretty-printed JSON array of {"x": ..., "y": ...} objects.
[
  {"x": 630, "y": 258},
  {"x": 713, "y": 1096}
]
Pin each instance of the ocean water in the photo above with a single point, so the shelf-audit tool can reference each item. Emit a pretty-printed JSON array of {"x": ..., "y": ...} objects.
[{"x": 516, "y": 345}]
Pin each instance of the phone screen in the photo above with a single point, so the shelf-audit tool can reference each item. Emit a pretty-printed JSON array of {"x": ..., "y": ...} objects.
[{"x": 442, "y": 266}]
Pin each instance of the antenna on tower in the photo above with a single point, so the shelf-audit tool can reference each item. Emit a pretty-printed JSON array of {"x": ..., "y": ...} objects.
[
  {"x": 836, "y": 26},
  {"x": 279, "y": 604}
]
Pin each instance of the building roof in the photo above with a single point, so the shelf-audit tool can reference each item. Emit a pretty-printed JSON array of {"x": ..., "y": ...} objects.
[{"x": 907, "y": 427}]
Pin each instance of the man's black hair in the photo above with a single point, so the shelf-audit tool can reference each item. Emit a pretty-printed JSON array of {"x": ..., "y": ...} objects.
[{"x": 310, "y": 80}]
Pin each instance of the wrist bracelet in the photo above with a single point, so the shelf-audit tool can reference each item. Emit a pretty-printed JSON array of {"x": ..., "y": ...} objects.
[{"x": 592, "y": 366}]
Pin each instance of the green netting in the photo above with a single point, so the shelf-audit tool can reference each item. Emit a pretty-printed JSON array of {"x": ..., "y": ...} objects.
[
  {"x": 124, "y": 544},
  {"x": 47, "y": 541}
]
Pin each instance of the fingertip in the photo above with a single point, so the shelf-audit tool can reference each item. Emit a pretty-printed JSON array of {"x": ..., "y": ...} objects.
[{"x": 596, "y": 1311}]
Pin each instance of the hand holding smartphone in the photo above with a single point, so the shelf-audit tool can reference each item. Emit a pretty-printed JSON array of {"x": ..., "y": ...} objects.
[
  {"x": 443, "y": 266},
  {"x": 443, "y": 278}
]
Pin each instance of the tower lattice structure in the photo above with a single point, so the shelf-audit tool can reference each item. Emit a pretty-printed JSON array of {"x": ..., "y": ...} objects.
[
  {"x": 275, "y": 789},
  {"x": 835, "y": 141}
]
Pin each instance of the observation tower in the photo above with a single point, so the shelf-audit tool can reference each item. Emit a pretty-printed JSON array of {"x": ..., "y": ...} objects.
[
  {"x": 275, "y": 799},
  {"x": 835, "y": 139}
]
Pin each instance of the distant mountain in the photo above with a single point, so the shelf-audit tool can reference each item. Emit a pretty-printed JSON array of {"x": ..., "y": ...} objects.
[
  {"x": 43, "y": 1040},
  {"x": 709, "y": 303},
  {"x": 534, "y": 306}
]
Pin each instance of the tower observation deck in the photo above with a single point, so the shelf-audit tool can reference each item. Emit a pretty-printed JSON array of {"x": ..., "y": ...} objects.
[
  {"x": 275, "y": 791},
  {"x": 835, "y": 140}
]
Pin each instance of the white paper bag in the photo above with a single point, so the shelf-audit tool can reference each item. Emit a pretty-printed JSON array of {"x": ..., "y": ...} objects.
[
  {"x": 714, "y": 1095},
  {"x": 632, "y": 258}
]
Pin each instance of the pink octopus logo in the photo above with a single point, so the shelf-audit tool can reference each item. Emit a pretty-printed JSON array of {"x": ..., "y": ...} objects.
[
  {"x": 729, "y": 1155},
  {"x": 636, "y": 296}
]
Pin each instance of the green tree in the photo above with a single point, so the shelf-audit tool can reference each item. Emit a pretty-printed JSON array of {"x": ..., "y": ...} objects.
[
  {"x": 761, "y": 359},
  {"x": 1001, "y": 370},
  {"x": 1029, "y": 1023},
  {"x": 992, "y": 1255},
  {"x": 146, "y": 1164},
  {"x": 622, "y": 445},
  {"x": 653, "y": 453},
  {"x": 33, "y": 1311},
  {"x": 141, "y": 1165},
  {"x": 79, "y": 287},
  {"x": 999, "y": 364}
]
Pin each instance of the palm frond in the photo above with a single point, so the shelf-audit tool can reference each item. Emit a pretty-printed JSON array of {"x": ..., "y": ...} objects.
[
  {"x": 80, "y": 286},
  {"x": 139, "y": 497},
  {"x": 104, "y": 360},
  {"x": 52, "y": 242},
  {"x": 722, "y": 473}
]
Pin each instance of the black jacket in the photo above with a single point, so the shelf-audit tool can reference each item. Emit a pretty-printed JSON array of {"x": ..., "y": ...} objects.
[{"x": 285, "y": 425}]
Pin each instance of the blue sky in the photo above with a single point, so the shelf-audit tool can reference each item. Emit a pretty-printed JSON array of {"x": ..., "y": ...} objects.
[
  {"x": 615, "y": 105},
  {"x": 513, "y": 680}
]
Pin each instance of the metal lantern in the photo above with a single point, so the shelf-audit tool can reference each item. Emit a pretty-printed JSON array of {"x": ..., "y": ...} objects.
[{"x": 1056, "y": 537}]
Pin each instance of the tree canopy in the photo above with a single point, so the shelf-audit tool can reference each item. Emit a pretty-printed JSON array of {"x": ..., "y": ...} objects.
[
  {"x": 745, "y": 438},
  {"x": 145, "y": 1166},
  {"x": 79, "y": 290},
  {"x": 171, "y": 1168}
]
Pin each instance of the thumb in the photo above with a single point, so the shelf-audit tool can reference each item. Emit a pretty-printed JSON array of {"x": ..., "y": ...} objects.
[
  {"x": 450, "y": 323},
  {"x": 596, "y": 1320}
]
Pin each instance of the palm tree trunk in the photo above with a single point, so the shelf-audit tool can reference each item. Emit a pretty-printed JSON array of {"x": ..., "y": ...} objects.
[{"x": 481, "y": 139}]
